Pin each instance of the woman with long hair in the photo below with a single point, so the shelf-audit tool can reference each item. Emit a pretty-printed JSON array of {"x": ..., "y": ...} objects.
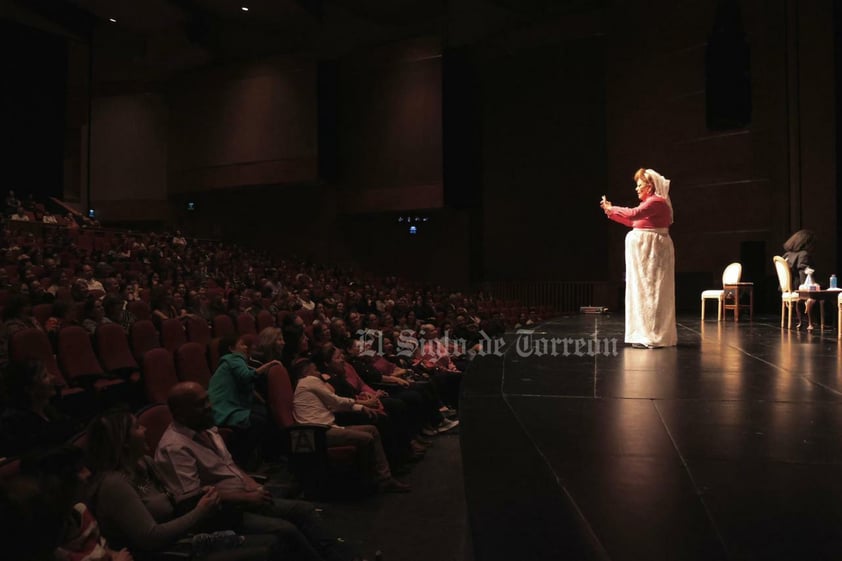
[{"x": 132, "y": 504}]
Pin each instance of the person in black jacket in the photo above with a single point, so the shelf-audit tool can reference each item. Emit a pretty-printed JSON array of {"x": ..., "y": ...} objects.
[{"x": 798, "y": 250}]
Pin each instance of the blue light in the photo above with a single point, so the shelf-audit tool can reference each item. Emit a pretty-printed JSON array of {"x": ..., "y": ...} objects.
[{"x": 413, "y": 230}]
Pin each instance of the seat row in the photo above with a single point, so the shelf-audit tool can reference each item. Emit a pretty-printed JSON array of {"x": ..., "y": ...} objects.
[
  {"x": 318, "y": 467},
  {"x": 109, "y": 368}
]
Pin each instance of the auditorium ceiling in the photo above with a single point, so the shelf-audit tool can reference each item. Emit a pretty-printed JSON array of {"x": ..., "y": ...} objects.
[{"x": 162, "y": 38}]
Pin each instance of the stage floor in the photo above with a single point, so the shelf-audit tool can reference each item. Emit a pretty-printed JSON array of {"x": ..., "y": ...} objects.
[{"x": 724, "y": 447}]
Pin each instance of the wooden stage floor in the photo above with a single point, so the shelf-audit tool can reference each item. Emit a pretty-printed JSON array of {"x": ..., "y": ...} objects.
[{"x": 724, "y": 447}]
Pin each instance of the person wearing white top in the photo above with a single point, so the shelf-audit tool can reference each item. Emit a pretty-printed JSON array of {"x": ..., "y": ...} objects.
[{"x": 315, "y": 402}]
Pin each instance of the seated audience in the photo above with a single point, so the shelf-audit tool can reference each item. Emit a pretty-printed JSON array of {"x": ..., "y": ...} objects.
[
  {"x": 94, "y": 314},
  {"x": 63, "y": 473},
  {"x": 297, "y": 344},
  {"x": 394, "y": 422},
  {"x": 232, "y": 396},
  {"x": 94, "y": 286},
  {"x": 315, "y": 402},
  {"x": 132, "y": 503},
  {"x": 17, "y": 315},
  {"x": 20, "y": 215},
  {"x": 115, "y": 310},
  {"x": 29, "y": 420},
  {"x": 270, "y": 345},
  {"x": 191, "y": 454}
]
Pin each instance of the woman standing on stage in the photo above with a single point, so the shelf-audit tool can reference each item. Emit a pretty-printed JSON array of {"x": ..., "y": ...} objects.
[{"x": 650, "y": 262}]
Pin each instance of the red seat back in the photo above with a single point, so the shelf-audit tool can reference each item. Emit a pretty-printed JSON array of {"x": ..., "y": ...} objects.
[
  {"x": 245, "y": 324},
  {"x": 113, "y": 347},
  {"x": 33, "y": 344},
  {"x": 144, "y": 338},
  {"x": 172, "y": 334},
  {"x": 280, "y": 395},
  {"x": 223, "y": 326},
  {"x": 156, "y": 418},
  {"x": 191, "y": 364},
  {"x": 213, "y": 353},
  {"x": 264, "y": 320},
  {"x": 158, "y": 374},
  {"x": 42, "y": 313},
  {"x": 139, "y": 309},
  {"x": 76, "y": 354},
  {"x": 198, "y": 330}
]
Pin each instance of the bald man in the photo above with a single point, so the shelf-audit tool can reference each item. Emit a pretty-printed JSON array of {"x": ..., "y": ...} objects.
[{"x": 191, "y": 455}]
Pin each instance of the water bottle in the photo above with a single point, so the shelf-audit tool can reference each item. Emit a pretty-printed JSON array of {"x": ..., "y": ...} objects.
[
  {"x": 204, "y": 544},
  {"x": 833, "y": 281}
]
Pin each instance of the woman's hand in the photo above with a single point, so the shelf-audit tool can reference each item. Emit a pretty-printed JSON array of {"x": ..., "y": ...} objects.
[
  {"x": 395, "y": 380},
  {"x": 605, "y": 204},
  {"x": 209, "y": 501},
  {"x": 122, "y": 555},
  {"x": 267, "y": 366},
  {"x": 370, "y": 403}
]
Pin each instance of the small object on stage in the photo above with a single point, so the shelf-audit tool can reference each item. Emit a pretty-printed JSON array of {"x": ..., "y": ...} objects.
[{"x": 593, "y": 310}]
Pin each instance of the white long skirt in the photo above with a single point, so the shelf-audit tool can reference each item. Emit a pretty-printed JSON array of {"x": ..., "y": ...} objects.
[{"x": 650, "y": 288}]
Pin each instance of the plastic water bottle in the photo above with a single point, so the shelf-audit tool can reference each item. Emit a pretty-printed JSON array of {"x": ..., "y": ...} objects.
[
  {"x": 203, "y": 544},
  {"x": 833, "y": 281}
]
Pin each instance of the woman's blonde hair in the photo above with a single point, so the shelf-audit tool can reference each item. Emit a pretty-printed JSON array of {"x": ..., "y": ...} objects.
[{"x": 642, "y": 175}]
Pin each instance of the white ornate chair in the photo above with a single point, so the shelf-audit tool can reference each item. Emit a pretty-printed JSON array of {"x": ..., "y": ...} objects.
[
  {"x": 731, "y": 275},
  {"x": 789, "y": 298}
]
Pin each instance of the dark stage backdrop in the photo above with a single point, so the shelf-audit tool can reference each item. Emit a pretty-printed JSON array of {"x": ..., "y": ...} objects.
[
  {"x": 544, "y": 162},
  {"x": 32, "y": 109}
]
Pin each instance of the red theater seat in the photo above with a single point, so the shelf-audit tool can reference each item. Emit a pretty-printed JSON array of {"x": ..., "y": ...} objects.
[
  {"x": 144, "y": 338},
  {"x": 223, "y": 326},
  {"x": 158, "y": 374},
  {"x": 191, "y": 364},
  {"x": 245, "y": 324},
  {"x": 172, "y": 334},
  {"x": 198, "y": 330}
]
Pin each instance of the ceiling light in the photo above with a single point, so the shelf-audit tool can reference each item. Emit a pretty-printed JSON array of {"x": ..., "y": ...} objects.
[
  {"x": 245, "y": 8},
  {"x": 112, "y": 20}
]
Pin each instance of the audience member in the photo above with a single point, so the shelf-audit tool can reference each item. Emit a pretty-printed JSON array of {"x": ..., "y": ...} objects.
[
  {"x": 315, "y": 402},
  {"x": 191, "y": 454},
  {"x": 132, "y": 503},
  {"x": 29, "y": 420},
  {"x": 94, "y": 314},
  {"x": 62, "y": 472},
  {"x": 232, "y": 395}
]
